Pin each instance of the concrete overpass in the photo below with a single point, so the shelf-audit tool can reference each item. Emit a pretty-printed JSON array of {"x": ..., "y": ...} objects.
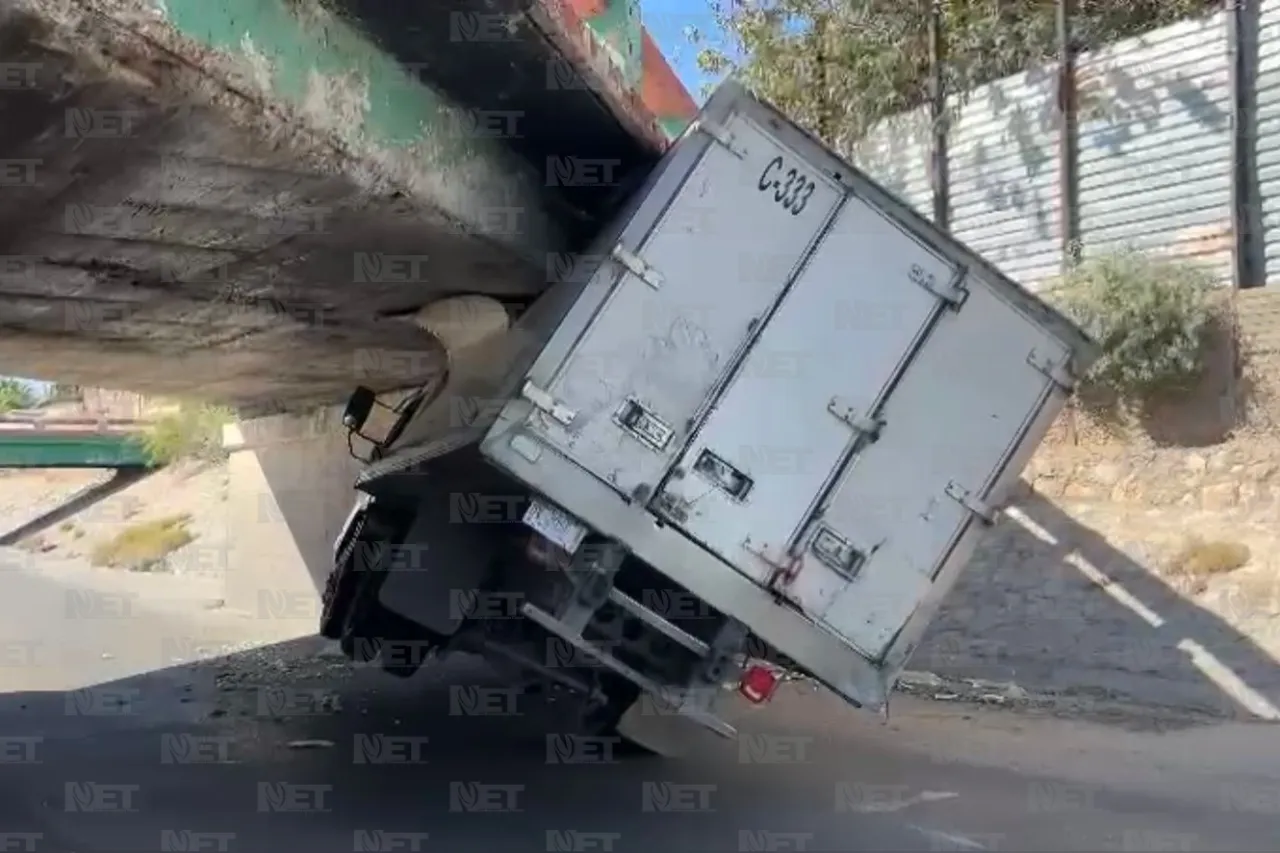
[
  {"x": 244, "y": 200},
  {"x": 241, "y": 200}
]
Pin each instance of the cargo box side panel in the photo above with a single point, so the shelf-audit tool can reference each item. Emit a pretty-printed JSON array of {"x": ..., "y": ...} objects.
[
  {"x": 714, "y": 263},
  {"x": 962, "y": 409}
]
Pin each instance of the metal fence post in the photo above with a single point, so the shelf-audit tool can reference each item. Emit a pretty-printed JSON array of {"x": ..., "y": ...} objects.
[
  {"x": 939, "y": 165},
  {"x": 1068, "y": 137},
  {"x": 1248, "y": 250}
]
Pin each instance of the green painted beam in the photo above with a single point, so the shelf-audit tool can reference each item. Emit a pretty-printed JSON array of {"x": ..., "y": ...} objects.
[
  {"x": 618, "y": 29},
  {"x": 298, "y": 54},
  {"x": 72, "y": 450}
]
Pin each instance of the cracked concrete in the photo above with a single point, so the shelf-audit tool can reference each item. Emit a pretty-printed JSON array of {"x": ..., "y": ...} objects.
[{"x": 237, "y": 203}]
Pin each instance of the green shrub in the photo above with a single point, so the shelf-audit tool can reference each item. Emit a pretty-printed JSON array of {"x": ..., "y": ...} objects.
[
  {"x": 193, "y": 431},
  {"x": 143, "y": 547},
  {"x": 15, "y": 395},
  {"x": 1151, "y": 316}
]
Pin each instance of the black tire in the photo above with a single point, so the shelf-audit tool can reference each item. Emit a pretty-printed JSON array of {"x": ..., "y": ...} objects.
[{"x": 341, "y": 586}]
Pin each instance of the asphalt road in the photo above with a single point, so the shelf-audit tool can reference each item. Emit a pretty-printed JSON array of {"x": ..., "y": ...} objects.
[{"x": 288, "y": 748}]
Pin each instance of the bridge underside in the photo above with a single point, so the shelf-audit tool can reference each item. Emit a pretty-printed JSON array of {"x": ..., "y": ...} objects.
[{"x": 242, "y": 200}]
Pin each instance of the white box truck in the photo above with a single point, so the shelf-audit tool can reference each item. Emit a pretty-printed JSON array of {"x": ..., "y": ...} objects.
[{"x": 763, "y": 426}]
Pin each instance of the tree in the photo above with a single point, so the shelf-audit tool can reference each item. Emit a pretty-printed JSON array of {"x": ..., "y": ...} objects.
[
  {"x": 839, "y": 66},
  {"x": 63, "y": 393},
  {"x": 15, "y": 394}
]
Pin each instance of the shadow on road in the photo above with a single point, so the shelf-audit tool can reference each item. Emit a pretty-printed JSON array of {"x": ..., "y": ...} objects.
[
  {"x": 242, "y": 752},
  {"x": 1048, "y": 602},
  {"x": 92, "y": 494},
  {"x": 288, "y": 746}
]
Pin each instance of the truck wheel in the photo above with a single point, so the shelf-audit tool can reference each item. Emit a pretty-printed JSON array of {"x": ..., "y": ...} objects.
[{"x": 341, "y": 585}]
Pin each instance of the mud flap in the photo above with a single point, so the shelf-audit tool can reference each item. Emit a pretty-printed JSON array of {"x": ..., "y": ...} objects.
[
  {"x": 662, "y": 732},
  {"x": 658, "y": 727}
]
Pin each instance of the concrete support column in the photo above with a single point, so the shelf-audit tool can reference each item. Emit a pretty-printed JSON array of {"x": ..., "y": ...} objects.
[{"x": 290, "y": 490}]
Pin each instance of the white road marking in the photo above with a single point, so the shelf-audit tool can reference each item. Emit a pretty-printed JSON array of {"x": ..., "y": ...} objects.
[
  {"x": 936, "y": 835},
  {"x": 907, "y": 802}
]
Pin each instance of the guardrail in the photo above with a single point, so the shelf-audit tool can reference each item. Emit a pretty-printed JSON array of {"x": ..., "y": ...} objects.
[{"x": 34, "y": 442}]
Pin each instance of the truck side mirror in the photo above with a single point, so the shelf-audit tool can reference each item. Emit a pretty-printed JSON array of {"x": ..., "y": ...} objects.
[{"x": 359, "y": 405}]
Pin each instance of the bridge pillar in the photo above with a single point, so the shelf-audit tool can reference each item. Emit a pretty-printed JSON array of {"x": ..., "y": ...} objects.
[{"x": 289, "y": 493}]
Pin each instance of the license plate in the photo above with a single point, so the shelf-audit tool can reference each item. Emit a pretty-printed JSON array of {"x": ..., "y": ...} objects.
[{"x": 555, "y": 524}]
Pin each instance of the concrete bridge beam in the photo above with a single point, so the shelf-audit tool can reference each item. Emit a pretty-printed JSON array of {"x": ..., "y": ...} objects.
[{"x": 235, "y": 200}]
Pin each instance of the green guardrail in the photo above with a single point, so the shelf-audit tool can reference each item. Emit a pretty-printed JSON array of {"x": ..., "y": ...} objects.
[
  {"x": 72, "y": 451},
  {"x": 70, "y": 444}
]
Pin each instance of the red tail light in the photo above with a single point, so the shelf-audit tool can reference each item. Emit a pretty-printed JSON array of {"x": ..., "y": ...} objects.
[{"x": 758, "y": 684}]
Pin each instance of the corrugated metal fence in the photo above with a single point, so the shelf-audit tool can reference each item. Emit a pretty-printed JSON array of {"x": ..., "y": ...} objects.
[
  {"x": 1268, "y": 134},
  {"x": 1154, "y": 168}
]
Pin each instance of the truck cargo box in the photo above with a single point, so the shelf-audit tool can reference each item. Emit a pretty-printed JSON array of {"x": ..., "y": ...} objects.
[{"x": 791, "y": 394}]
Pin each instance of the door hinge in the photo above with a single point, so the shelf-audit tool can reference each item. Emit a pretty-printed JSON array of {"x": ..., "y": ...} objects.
[
  {"x": 1058, "y": 371},
  {"x": 543, "y": 401},
  {"x": 635, "y": 265},
  {"x": 870, "y": 427},
  {"x": 721, "y": 135},
  {"x": 953, "y": 292},
  {"x": 984, "y": 511}
]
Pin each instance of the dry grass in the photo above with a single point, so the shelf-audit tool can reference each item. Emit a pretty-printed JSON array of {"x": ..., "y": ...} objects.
[
  {"x": 1202, "y": 559},
  {"x": 143, "y": 547}
]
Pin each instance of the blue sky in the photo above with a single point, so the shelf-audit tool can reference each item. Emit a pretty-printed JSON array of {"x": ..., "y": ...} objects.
[{"x": 667, "y": 21}]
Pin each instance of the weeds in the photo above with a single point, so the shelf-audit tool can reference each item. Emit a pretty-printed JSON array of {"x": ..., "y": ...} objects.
[
  {"x": 143, "y": 547},
  {"x": 191, "y": 432},
  {"x": 1199, "y": 560}
]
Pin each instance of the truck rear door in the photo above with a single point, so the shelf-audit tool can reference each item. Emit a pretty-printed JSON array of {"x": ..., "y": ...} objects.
[
  {"x": 807, "y": 395},
  {"x": 864, "y": 431},
  {"x": 958, "y": 414},
  {"x": 713, "y": 265}
]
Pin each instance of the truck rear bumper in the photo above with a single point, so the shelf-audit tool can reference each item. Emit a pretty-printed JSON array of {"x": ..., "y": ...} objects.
[{"x": 825, "y": 655}]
